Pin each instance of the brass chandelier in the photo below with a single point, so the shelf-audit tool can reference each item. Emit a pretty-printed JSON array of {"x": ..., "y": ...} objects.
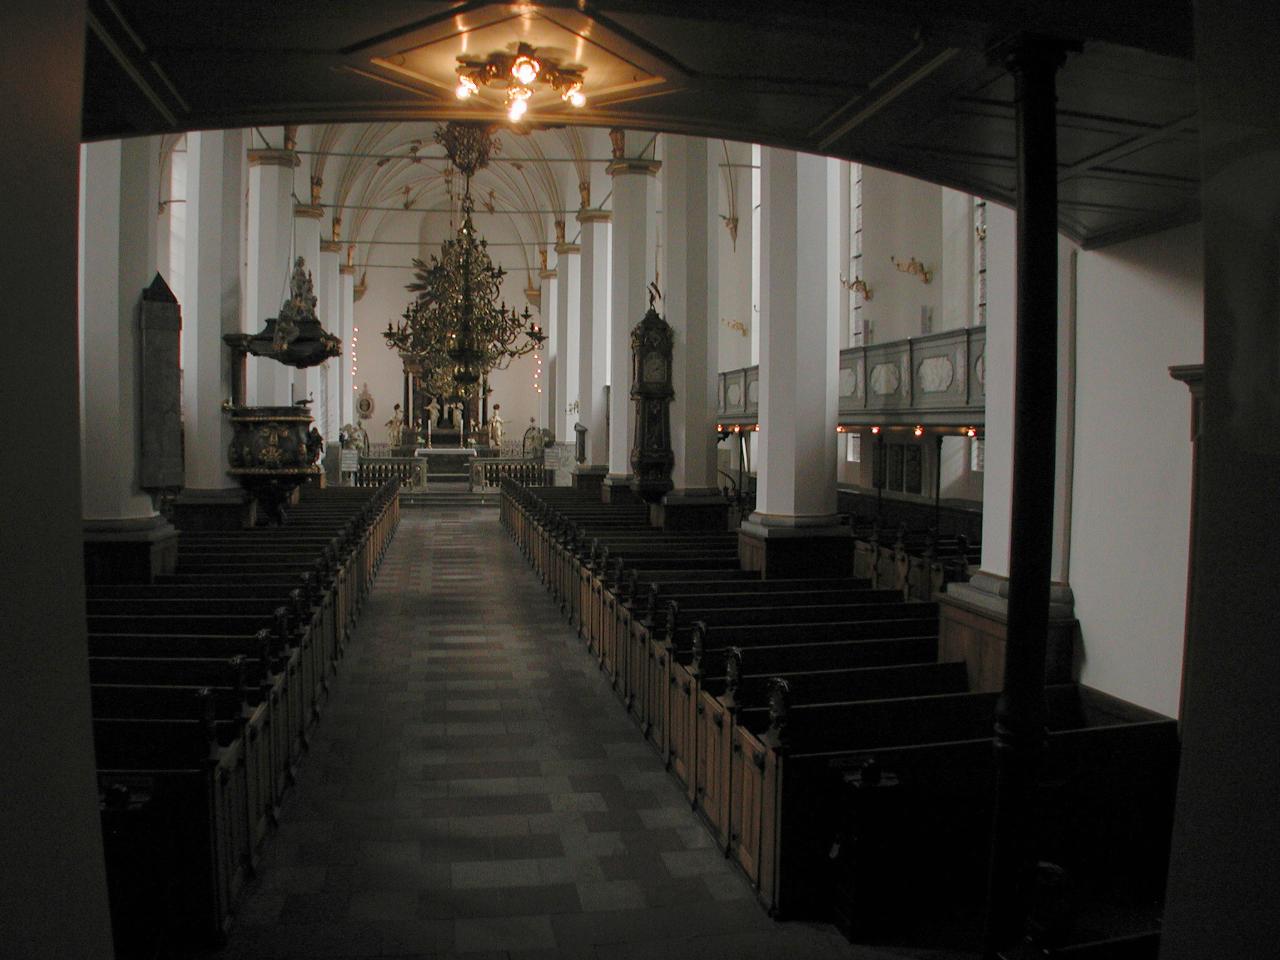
[
  {"x": 519, "y": 73},
  {"x": 456, "y": 329}
]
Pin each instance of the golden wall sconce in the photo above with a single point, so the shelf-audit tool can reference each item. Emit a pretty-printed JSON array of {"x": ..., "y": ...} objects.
[
  {"x": 913, "y": 267},
  {"x": 857, "y": 285}
]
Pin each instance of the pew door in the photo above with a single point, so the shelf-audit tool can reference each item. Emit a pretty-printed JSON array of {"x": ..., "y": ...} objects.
[
  {"x": 711, "y": 765},
  {"x": 746, "y": 794},
  {"x": 681, "y": 751}
]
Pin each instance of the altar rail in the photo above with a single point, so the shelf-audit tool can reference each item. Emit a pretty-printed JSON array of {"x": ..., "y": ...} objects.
[
  {"x": 491, "y": 471},
  {"x": 375, "y": 471},
  {"x": 935, "y": 380}
]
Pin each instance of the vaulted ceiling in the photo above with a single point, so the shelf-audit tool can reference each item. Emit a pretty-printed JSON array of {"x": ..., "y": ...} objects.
[{"x": 915, "y": 86}]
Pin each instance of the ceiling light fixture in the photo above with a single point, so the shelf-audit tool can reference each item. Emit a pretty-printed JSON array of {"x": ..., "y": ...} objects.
[{"x": 517, "y": 73}]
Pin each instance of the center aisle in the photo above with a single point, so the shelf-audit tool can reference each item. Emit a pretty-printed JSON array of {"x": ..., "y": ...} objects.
[{"x": 474, "y": 788}]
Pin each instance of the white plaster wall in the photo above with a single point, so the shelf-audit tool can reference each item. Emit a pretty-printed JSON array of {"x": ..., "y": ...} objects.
[
  {"x": 1140, "y": 310},
  {"x": 956, "y": 273},
  {"x": 901, "y": 218},
  {"x": 735, "y": 259},
  {"x": 959, "y": 482}
]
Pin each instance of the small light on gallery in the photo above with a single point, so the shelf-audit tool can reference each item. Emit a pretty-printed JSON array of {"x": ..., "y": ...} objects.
[
  {"x": 918, "y": 431},
  {"x": 971, "y": 432},
  {"x": 875, "y": 430}
]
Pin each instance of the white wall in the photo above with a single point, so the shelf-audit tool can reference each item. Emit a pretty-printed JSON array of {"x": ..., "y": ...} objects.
[
  {"x": 901, "y": 218},
  {"x": 1140, "y": 310},
  {"x": 735, "y": 259}
]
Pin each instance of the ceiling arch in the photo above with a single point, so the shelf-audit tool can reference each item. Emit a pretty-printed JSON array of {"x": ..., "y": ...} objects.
[{"x": 915, "y": 86}]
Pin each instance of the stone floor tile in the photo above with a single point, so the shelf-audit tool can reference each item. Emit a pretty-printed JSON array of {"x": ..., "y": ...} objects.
[
  {"x": 505, "y": 933},
  {"x": 600, "y": 895}
]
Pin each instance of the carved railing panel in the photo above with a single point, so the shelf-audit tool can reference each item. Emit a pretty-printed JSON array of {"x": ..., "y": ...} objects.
[
  {"x": 375, "y": 471},
  {"x": 491, "y": 471},
  {"x": 937, "y": 379}
]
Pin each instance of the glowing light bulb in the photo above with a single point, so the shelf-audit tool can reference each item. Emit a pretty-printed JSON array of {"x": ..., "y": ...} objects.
[
  {"x": 517, "y": 110},
  {"x": 525, "y": 69},
  {"x": 574, "y": 95},
  {"x": 466, "y": 87},
  {"x": 875, "y": 429},
  {"x": 918, "y": 431},
  {"x": 971, "y": 433}
]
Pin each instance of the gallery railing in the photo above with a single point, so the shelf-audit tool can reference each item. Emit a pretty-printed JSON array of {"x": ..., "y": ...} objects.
[
  {"x": 491, "y": 471},
  {"x": 935, "y": 380},
  {"x": 375, "y": 471}
]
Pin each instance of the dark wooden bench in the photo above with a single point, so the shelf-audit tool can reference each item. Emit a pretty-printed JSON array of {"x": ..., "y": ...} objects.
[
  {"x": 174, "y": 824},
  {"x": 1114, "y": 761}
]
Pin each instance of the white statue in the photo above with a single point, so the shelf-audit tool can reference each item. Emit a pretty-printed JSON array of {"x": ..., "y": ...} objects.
[
  {"x": 395, "y": 427},
  {"x": 353, "y": 436},
  {"x": 495, "y": 427}
]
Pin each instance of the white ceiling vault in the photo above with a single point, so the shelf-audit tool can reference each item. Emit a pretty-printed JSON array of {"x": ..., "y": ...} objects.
[
  {"x": 914, "y": 86},
  {"x": 369, "y": 177}
]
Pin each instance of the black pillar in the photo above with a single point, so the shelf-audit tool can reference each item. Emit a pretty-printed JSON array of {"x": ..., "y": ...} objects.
[{"x": 1020, "y": 713}]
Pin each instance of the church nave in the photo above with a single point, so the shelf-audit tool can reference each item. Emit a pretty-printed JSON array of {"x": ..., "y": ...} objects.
[{"x": 476, "y": 789}]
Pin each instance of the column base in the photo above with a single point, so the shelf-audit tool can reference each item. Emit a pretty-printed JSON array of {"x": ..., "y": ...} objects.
[
  {"x": 691, "y": 510},
  {"x": 616, "y": 488},
  {"x": 780, "y": 549},
  {"x": 135, "y": 550},
  {"x": 588, "y": 478},
  {"x": 973, "y": 627},
  {"x": 230, "y": 508}
]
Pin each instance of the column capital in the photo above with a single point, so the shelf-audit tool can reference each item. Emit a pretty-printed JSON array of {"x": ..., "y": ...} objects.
[
  {"x": 547, "y": 274},
  {"x": 627, "y": 166},
  {"x": 347, "y": 270},
  {"x": 589, "y": 215},
  {"x": 270, "y": 157},
  {"x": 564, "y": 248},
  {"x": 330, "y": 246},
  {"x": 308, "y": 211}
]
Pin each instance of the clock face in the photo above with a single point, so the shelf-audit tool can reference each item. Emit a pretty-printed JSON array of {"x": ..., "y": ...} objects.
[{"x": 655, "y": 369}]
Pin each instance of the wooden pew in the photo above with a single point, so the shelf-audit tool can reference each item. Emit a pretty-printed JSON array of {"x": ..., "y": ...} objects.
[
  {"x": 266, "y": 669},
  {"x": 656, "y": 646},
  {"x": 170, "y": 795},
  {"x": 237, "y": 703},
  {"x": 1107, "y": 763}
]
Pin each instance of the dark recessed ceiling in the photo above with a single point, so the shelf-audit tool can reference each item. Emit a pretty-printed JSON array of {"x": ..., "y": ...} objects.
[{"x": 908, "y": 86}]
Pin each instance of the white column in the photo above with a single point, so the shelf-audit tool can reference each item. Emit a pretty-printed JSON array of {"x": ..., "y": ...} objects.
[
  {"x": 50, "y": 833},
  {"x": 568, "y": 280},
  {"x": 838, "y": 247},
  {"x": 633, "y": 255},
  {"x": 798, "y": 355},
  {"x": 306, "y": 225},
  {"x": 329, "y": 293},
  {"x": 267, "y": 279},
  {"x": 690, "y": 224},
  {"x": 212, "y": 305},
  {"x": 117, "y": 239},
  {"x": 545, "y": 366},
  {"x": 346, "y": 317},
  {"x": 593, "y": 355},
  {"x": 998, "y": 359}
]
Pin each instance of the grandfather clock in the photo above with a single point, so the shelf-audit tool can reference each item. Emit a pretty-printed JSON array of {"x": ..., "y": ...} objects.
[{"x": 652, "y": 458}]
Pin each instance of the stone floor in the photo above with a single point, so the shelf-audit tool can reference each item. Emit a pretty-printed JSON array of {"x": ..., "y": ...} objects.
[{"x": 474, "y": 789}]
